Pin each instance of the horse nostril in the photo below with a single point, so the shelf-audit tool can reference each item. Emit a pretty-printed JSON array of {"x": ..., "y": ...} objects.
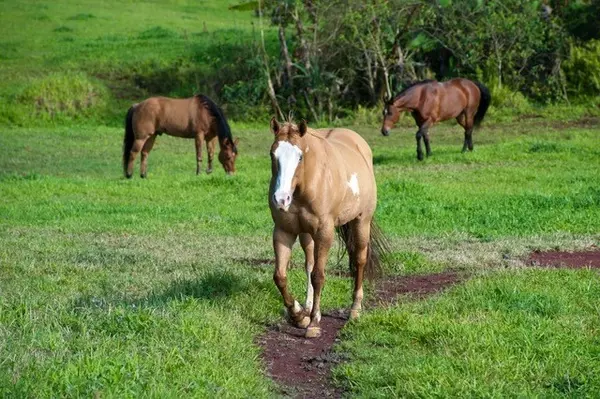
[{"x": 288, "y": 198}]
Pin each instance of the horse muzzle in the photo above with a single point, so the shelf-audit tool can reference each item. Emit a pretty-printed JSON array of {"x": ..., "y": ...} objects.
[
  {"x": 385, "y": 132},
  {"x": 282, "y": 201}
]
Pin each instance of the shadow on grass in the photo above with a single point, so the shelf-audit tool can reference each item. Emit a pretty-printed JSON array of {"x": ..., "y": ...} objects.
[
  {"x": 213, "y": 287},
  {"x": 386, "y": 159}
]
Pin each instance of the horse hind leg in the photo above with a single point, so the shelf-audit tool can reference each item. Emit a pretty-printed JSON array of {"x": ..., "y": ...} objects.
[
  {"x": 145, "y": 151},
  {"x": 135, "y": 150},
  {"x": 426, "y": 141},
  {"x": 358, "y": 247},
  {"x": 462, "y": 120},
  {"x": 469, "y": 125}
]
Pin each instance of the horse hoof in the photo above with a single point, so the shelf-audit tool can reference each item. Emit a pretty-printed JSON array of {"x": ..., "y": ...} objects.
[
  {"x": 129, "y": 176},
  {"x": 208, "y": 171},
  {"x": 312, "y": 332},
  {"x": 354, "y": 314},
  {"x": 304, "y": 322},
  {"x": 143, "y": 176}
]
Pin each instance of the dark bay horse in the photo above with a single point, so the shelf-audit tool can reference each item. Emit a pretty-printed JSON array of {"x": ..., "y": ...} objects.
[
  {"x": 197, "y": 117},
  {"x": 322, "y": 180},
  {"x": 430, "y": 101}
]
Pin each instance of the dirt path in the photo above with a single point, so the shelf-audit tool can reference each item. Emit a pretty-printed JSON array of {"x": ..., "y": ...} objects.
[
  {"x": 570, "y": 260},
  {"x": 302, "y": 367}
]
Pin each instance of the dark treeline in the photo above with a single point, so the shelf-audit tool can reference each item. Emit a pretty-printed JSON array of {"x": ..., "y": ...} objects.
[{"x": 334, "y": 55}]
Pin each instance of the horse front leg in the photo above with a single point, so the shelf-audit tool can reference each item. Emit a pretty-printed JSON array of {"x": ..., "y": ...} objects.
[
  {"x": 323, "y": 240},
  {"x": 199, "y": 139},
  {"x": 282, "y": 244},
  {"x": 210, "y": 148},
  {"x": 308, "y": 245}
]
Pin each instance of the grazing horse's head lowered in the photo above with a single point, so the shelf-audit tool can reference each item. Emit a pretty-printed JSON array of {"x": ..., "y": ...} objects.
[
  {"x": 430, "y": 102},
  {"x": 391, "y": 114},
  {"x": 228, "y": 154},
  {"x": 197, "y": 118}
]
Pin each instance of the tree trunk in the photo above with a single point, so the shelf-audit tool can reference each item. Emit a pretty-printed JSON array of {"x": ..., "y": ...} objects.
[
  {"x": 287, "y": 61},
  {"x": 270, "y": 88}
]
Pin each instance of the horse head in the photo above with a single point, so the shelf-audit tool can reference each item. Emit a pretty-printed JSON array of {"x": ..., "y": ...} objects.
[{"x": 287, "y": 161}]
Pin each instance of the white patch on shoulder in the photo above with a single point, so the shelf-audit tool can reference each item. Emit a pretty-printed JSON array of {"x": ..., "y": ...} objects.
[
  {"x": 307, "y": 149},
  {"x": 353, "y": 184}
]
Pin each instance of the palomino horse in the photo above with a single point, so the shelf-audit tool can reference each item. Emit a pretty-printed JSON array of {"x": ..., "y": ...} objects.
[
  {"x": 430, "y": 101},
  {"x": 321, "y": 180},
  {"x": 197, "y": 117}
]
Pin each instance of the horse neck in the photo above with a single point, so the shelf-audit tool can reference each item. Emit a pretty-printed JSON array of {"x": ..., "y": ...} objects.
[{"x": 408, "y": 100}]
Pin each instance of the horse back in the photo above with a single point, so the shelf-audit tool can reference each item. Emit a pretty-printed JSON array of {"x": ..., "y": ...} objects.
[
  {"x": 352, "y": 159},
  {"x": 181, "y": 117},
  {"x": 467, "y": 89}
]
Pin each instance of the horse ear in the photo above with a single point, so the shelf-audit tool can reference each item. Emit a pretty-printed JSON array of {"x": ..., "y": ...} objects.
[
  {"x": 236, "y": 141},
  {"x": 274, "y": 126},
  {"x": 225, "y": 141},
  {"x": 302, "y": 128}
]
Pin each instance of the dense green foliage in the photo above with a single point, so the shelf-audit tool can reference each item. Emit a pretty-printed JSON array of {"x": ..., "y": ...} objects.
[
  {"x": 344, "y": 53},
  {"x": 159, "y": 287}
]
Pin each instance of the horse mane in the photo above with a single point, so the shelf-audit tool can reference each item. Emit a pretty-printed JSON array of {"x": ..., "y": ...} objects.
[
  {"x": 224, "y": 130},
  {"x": 410, "y": 85},
  {"x": 289, "y": 119}
]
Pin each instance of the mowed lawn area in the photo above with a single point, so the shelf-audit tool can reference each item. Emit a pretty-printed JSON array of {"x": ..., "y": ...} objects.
[{"x": 159, "y": 287}]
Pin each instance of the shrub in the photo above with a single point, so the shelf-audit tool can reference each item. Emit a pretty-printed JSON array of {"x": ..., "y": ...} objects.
[
  {"x": 582, "y": 68},
  {"x": 63, "y": 95}
]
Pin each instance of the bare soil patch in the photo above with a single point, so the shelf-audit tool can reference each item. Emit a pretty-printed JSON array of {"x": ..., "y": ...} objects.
[
  {"x": 302, "y": 367},
  {"x": 570, "y": 260}
]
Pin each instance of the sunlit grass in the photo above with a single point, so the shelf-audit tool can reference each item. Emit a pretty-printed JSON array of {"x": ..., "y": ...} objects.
[{"x": 159, "y": 287}]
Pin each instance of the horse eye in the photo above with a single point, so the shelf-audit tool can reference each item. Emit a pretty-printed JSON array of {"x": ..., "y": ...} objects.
[{"x": 301, "y": 156}]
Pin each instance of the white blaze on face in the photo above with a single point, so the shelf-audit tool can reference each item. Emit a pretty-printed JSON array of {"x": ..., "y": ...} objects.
[
  {"x": 353, "y": 184},
  {"x": 288, "y": 157}
]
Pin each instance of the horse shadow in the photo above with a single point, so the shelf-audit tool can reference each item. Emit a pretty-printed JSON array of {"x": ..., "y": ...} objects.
[
  {"x": 212, "y": 287},
  {"x": 384, "y": 159}
]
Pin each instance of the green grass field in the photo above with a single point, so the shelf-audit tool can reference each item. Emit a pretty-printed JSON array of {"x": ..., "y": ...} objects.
[
  {"x": 77, "y": 62},
  {"x": 159, "y": 287}
]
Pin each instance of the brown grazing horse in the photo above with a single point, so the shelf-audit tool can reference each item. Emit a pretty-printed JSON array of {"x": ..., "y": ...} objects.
[
  {"x": 197, "y": 117},
  {"x": 322, "y": 180},
  {"x": 430, "y": 101}
]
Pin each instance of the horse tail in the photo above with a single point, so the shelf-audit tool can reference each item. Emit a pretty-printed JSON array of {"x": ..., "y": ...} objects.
[
  {"x": 378, "y": 249},
  {"x": 484, "y": 103},
  {"x": 224, "y": 130},
  {"x": 128, "y": 139}
]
